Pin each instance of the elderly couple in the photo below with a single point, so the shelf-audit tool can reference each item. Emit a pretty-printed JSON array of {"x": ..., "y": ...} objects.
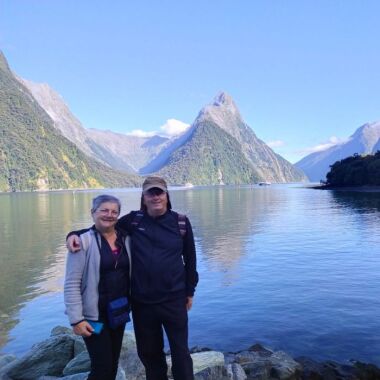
[{"x": 145, "y": 261}]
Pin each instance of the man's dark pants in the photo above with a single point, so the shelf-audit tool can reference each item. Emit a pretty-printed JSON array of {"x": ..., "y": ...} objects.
[{"x": 149, "y": 321}]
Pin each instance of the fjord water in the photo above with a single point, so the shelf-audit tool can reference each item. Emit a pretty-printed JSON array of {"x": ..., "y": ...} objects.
[{"x": 295, "y": 269}]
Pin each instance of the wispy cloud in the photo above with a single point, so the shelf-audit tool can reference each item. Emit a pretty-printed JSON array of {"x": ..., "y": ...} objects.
[
  {"x": 333, "y": 140},
  {"x": 275, "y": 143},
  {"x": 173, "y": 127},
  {"x": 141, "y": 133}
]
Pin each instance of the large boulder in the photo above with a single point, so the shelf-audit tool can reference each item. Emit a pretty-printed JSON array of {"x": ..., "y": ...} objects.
[
  {"x": 235, "y": 372},
  {"x": 80, "y": 363},
  {"x": 5, "y": 359},
  {"x": 212, "y": 373},
  {"x": 208, "y": 365},
  {"x": 46, "y": 358},
  {"x": 79, "y": 345},
  {"x": 206, "y": 359},
  {"x": 330, "y": 370},
  {"x": 77, "y": 376},
  {"x": 61, "y": 330},
  {"x": 260, "y": 363}
]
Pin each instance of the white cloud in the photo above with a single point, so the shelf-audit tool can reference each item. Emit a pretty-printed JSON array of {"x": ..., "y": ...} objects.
[
  {"x": 173, "y": 127},
  {"x": 333, "y": 140},
  {"x": 141, "y": 133},
  {"x": 275, "y": 143}
]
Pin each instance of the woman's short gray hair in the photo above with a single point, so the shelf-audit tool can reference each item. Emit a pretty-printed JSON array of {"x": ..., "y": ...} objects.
[{"x": 97, "y": 201}]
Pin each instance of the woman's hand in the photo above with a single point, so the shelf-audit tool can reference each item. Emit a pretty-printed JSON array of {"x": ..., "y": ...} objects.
[
  {"x": 73, "y": 243},
  {"x": 83, "y": 329},
  {"x": 189, "y": 303}
]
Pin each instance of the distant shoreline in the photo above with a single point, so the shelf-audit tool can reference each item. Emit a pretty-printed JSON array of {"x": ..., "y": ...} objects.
[{"x": 359, "y": 189}]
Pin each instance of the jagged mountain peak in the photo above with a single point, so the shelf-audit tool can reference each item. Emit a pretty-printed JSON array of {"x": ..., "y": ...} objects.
[
  {"x": 221, "y": 109},
  {"x": 3, "y": 62},
  {"x": 223, "y": 99},
  {"x": 223, "y": 112},
  {"x": 369, "y": 130}
]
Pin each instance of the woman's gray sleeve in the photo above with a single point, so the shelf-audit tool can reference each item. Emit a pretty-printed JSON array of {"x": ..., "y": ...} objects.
[{"x": 72, "y": 288}]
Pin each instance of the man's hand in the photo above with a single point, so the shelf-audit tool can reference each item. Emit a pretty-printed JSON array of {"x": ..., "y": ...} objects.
[
  {"x": 73, "y": 243},
  {"x": 189, "y": 303},
  {"x": 83, "y": 329}
]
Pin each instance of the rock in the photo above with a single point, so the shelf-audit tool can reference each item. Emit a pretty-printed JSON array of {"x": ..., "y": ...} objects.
[
  {"x": 330, "y": 370},
  {"x": 203, "y": 360},
  {"x": 120, "y": 374},
  {"x": 6, "y": 359},
  {"x": 212, "y": 373},
  {"x": 80, "y": 363},
  {"x": 46, "y": 358},
  {"x": 196, "y": 349},
  {"x": 79, "y": 345},
  {"x": 367, "y": 371},
  {"x": 260, "y": 349},
  {"x": 60, "y": 330},
  {"x": 204, "y": 364},
  {"x": 261, "y": 363},
  {"x": 77, "y": 376},
  {"x": 235, "y": 372},
  {"x": 4, "y": 370},
  {"x": 284, "y": 367}
]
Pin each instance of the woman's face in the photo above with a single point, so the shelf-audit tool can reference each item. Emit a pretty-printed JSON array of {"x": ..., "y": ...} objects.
[{"x": 105, "y": 216}]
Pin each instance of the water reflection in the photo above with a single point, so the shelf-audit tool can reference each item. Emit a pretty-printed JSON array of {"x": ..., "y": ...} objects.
[
  {"x": 365, "y": 202},
  {"x": 226, "y": 220},
  {"x": 32, "y": 247}
]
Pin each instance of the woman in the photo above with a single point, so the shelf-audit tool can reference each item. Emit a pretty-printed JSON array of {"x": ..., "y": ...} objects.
[{"x": 96, "y": 288}]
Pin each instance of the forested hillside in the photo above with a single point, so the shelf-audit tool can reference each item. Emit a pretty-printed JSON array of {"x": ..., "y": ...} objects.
[
  {"x": 34, "y": 155},
  {"x": 355, "y": 170}
]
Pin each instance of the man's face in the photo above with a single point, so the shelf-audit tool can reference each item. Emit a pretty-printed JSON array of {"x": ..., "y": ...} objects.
[{"x": 156, "y": 201}]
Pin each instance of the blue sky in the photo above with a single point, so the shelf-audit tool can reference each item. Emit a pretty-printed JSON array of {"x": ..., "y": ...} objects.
[{"x": 301, "y": 72}]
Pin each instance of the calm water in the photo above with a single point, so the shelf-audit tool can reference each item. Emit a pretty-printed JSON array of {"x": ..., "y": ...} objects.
[{"x": 295, "y": 269}]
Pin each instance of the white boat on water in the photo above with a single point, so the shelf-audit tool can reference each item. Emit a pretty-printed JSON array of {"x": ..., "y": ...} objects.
[{"x": 264, "y": 183}]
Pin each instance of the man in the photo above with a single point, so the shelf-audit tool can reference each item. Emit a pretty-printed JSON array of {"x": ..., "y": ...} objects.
[{"x": 163, "y": 280}]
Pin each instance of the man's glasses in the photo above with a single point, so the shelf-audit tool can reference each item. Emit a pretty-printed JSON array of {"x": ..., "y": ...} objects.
[{"x": 153, "y": 192}]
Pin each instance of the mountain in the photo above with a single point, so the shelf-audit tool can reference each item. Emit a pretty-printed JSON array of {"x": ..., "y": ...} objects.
[
  {"x": 34, "y": 155},
  {"x": 221, "y": 148},
  {"x": 218, "y": 148},
  {"x": 209, "y": 157},
  {"x": 117, "y": 150},
  {"x": 365, "y": 140},
  {"x": 126, "y": 150}
]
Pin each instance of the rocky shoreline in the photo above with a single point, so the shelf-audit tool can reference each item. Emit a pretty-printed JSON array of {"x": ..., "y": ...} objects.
[{"x": 64, "y": 356}]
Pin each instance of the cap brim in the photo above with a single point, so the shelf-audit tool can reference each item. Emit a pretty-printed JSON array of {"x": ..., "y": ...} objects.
[{"x": 163, "y": 188}]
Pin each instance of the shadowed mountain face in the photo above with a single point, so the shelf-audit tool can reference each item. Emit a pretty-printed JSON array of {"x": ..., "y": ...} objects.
[
  {"x": 123, "y": 151},
  {"x": 34, "y": 155},
  {"x": 116, "y": 150},
  {"x": 220, "y": 148},
  {"x": 365, "y": 140}
]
